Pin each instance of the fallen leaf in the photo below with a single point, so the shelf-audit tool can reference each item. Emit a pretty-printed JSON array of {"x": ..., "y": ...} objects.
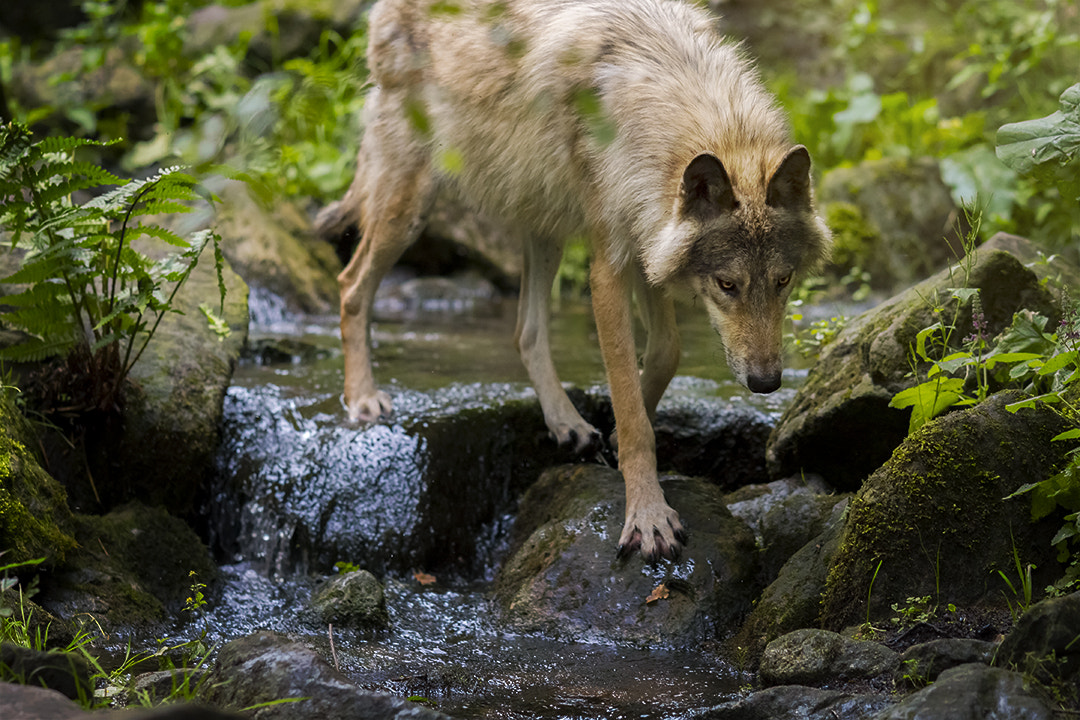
[
  {"x": 660, "y": 592},
  {"x": 423, "y": 578}
]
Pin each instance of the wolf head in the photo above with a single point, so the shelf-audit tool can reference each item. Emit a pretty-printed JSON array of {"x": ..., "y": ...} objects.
[{"x": 740, "y": 248}]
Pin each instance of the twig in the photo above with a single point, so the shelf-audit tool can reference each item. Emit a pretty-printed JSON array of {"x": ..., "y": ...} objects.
[{"x": 330, "y": 632}]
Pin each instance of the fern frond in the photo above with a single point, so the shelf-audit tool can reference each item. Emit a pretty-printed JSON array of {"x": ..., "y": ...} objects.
[
  {"x": 156, "y": 231},
  {"x": 36, "y": 349}
]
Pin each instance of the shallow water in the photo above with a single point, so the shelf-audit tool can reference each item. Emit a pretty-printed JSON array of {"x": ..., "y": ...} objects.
[{"x": 444, "y": 644}]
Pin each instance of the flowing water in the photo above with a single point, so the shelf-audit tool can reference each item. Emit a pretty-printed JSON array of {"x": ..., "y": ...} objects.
[{"x": 445, "y": 643}]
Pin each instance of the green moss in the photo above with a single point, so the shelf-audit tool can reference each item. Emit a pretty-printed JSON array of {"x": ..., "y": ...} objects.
[
  {"x": 934, "y": 517},
  {"x": 35, "y": 521},
  {"x": 854, "y": 237}
]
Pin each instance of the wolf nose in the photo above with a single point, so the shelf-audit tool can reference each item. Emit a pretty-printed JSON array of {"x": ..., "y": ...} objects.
[{"x": 763, "y": 383}]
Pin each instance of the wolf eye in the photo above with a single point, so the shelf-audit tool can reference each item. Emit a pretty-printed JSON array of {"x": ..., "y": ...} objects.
[
  {"x": 783, "y": 282},
  {"x": 726, "y": 285}
]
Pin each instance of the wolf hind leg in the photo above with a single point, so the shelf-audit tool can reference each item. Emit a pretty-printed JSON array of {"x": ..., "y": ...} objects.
[
  {"x": 541, "y": 264},
  {"x": 391, "y": 195}
]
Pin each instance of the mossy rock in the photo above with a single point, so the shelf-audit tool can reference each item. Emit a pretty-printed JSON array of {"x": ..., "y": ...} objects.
[
  {"x": 840, "y": 424},
  {"x": 274, "y": 249},
  {"x": 133, "y": 572},
  {"x": 890, "y": 218},
  {"x": 933, "y": 520},
  {"x": 35, "y": 521}
]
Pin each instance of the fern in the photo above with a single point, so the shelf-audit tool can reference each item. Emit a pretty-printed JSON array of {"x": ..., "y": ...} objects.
[{"x": 90, "y": 294}]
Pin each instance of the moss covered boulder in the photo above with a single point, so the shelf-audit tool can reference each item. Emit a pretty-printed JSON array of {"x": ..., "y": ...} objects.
[
  {"x": 840, "y": 424},
  {"x": 133, "y": 572},
  {"x": 933, "y": 520},
  {"x": 889, "y": 218},
  {"x": 35, "y": 521},
  {"x": 564, "y": 579}
]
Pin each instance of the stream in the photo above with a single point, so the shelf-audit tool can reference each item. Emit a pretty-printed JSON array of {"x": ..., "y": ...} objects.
[{"x": 317, "y": 491}]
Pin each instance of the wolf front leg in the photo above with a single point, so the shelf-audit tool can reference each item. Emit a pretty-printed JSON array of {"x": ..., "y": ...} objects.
[{"x": 651, "y": 524}]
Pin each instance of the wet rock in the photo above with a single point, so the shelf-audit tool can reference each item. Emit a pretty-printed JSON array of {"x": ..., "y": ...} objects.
[
  {"x": 784, "y": 515},
  {"x": 793, "y": 599},
  {"x": 35, "y": 521},
  {"x": 25, "y": 702},
  {"x": 712, "y": 440},
  {"x": 840, "y": 424},
  {"x": 888, "y": 219},
  {"x": 354, "y": 600},
  {"x": 431, "y": 489},
  {"x": 929, "y": 522},
  {"x": 66, "y": 672},
  {"x": 299, "y": 489},
  {"x": 275, "y": 250},
  {"x": 267, "y": 667},
  {"x": 810, "y": 657},
  {"x": 921, "y": 664},
  {"x": 1044, "y": 641},
  {"x": 795, "y": 702},
  {"x": 564, "y": 580},
  {"x": 971, "y": 692},
  {"x": 134, "y": 570}
]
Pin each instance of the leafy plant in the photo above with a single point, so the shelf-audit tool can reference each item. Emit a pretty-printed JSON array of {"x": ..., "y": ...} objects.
[
  {"x": 90, "y": 296},
  {"x": 917, "y": 610},
  {"x": 1022, "y": 591}
]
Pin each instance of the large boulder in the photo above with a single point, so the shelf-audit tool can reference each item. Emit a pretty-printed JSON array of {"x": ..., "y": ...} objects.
[
  {"x": 888, "y": 219},
  {"x": 564, "y": 579},
  {"x": 840, "y": 424},
  {"x": 172, "y": 418},
  {"x": 932, "y": 521},
  {"x": 299, "y": 489},
  {"x": 134, "y": 569}
]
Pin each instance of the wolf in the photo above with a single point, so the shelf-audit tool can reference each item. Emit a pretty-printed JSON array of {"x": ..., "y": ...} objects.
[{"x": 634, "y": 123}]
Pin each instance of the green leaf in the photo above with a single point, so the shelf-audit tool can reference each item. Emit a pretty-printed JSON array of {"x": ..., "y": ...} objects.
[
  {"x": 1026, "y": 145},
  {"x": 928, "y": 400}
]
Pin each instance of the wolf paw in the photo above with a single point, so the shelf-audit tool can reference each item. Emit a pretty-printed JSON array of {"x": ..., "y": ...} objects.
[
  {"x": 582, "y": 440},
  {"x": 370, "y": 408},
  {"x": 666, "y": 539}
]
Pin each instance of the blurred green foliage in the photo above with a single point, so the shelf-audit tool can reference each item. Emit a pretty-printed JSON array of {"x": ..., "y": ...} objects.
[{"x": 937, "y": 78}]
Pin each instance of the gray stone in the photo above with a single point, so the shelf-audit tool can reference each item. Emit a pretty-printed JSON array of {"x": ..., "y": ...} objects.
[
  {"x": 795, "y": 702},
  {"x": 564, "y": 579},
  {"x": 1044, "y": 641},
  {"x": 266, "y": 667},
  {"x": 971, "y": 692},
  {"x": 921, "y": 664},
  {"x": 354, "y": 600},
  {"x": 809, "y": 657}
]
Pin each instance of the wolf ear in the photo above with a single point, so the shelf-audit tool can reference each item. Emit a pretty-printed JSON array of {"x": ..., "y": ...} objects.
[
  {"x": 706, "y": 189},
  {"x": 790, "y": 184}
]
